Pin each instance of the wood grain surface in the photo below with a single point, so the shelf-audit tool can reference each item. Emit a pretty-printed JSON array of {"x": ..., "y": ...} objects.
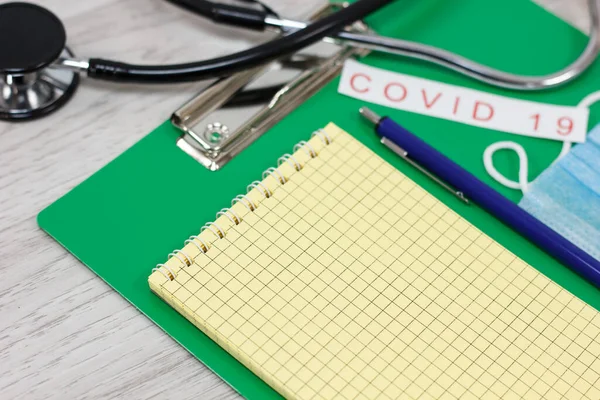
[{"x": 64, "y": 334}]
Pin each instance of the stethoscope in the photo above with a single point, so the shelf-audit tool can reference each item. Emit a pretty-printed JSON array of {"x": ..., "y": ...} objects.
[{"x": 40, "y": 73}]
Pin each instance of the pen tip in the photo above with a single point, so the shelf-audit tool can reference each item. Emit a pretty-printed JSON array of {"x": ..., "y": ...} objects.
[{"x": 369, "y": 115}]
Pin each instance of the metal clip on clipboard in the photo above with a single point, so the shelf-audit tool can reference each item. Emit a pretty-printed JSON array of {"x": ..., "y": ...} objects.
[{"x": 213, "y": 135}]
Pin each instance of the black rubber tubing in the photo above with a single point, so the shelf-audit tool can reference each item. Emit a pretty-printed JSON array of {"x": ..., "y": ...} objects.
[{"x": 233, "y": 63}]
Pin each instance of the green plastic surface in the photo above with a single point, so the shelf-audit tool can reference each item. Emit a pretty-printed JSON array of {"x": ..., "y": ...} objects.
[{"x": 126, "y": 218}]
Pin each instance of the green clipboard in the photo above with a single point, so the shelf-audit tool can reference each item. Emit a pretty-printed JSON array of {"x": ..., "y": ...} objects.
[{"x": 128, "y": 216}]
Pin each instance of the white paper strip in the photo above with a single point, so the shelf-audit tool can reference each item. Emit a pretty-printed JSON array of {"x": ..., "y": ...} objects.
[{"x": 468, "y": 106}]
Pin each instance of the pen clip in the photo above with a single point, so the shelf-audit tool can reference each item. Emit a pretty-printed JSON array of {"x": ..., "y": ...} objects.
[{"x": 404, "y": 155}]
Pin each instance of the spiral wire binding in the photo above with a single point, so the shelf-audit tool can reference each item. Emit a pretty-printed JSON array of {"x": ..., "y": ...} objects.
[
  {"x": 193, "y": 239},
  {"x": 231, "y": 215},
  {"x": 159, "y": 267},
  {"x": 263, "y": 189},
  {"x": 324, "y": 136},
  {"x": 275, "y": 174},
  {"x": 291, "y": 160},
  {"x": 304, "y": 145},
  {"x": 242, "y": 198},
  {"x": 235, "y": 219},
  {"x": 176, "y": 254},
  {"x": 219, "y": 233}
]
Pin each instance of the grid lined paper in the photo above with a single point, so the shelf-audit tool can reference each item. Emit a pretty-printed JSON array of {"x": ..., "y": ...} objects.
[{"x": 352, "y": 282}]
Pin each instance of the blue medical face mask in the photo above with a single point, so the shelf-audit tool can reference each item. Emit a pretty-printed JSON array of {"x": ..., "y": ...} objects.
[{"x": 566, "y": 196}]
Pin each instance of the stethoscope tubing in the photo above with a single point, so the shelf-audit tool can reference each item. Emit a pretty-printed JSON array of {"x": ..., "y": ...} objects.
[
  {"x": 233, "y": 63},
  {"x": 301, "y": 34},
  {"x": 482, "y": 72},
  {"x": 469, "y": 67}
]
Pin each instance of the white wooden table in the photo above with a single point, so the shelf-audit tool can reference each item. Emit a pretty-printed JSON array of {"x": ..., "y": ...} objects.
[{"x": 63, "y": 332}]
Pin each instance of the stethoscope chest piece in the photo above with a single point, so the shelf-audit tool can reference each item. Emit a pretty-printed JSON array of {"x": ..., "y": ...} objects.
[{"x": 31, "y": 40}]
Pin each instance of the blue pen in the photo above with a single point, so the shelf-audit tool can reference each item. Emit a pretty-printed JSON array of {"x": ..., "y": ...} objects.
[{"x": 466, "y": 186}]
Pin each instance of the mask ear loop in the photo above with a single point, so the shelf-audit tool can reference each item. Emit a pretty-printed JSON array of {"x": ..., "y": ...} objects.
[
  {"x": 488, "y": 162},
  {"x": 523, "y": 183}
]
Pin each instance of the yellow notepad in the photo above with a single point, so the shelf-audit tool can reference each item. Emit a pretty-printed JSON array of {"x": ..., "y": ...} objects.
[{"x": 337, "y": 276}]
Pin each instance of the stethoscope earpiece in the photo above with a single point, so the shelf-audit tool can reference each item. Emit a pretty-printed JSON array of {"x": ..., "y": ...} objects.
[{"x": 31, "y": 40}]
